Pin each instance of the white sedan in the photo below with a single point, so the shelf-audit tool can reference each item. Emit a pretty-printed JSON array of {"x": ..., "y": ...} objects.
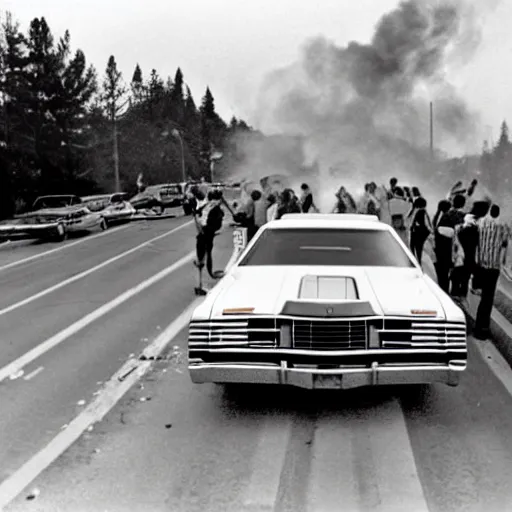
[{"x": 327, "y": 301}]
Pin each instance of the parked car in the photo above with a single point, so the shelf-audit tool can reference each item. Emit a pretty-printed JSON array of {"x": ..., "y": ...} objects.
[
  {"x": 327, "y": 301},
  {"x": 115, "y": 208},
  {"x": 53, "y": 217}
]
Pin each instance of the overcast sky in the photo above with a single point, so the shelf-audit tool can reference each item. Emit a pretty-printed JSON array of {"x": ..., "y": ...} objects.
[{"x": 231, "y": 44}]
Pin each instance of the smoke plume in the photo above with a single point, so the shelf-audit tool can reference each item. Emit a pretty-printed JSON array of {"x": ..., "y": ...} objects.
[{"x": 363, "y": 109}]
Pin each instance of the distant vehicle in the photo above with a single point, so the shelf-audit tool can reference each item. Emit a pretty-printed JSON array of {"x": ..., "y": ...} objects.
[
  {"x": 327, "y": 301},
  {"x": 115, "y": 208},
  {"x": 159, "y": 196}
]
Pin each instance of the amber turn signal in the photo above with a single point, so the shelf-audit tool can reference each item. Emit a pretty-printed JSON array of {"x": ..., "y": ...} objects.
[{"x": 237, "y": 311}]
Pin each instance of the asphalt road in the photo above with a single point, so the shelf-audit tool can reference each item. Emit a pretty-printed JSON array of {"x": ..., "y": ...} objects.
[{"x": 169, "y": 445}]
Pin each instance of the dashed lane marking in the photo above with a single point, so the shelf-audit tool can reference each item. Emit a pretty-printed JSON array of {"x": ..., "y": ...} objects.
[
  {"x": 89, "y": 271},
  {"x": 364, "y": 463},
  {"x": 61, "y": 248},
  {"x": 268, "y": 463},
  {"x": 69, "y": 331},
  {"x": 34, "y": 373}
]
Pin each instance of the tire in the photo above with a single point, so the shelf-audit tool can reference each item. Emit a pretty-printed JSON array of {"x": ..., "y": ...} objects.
[{"x": 60, "y": 233}]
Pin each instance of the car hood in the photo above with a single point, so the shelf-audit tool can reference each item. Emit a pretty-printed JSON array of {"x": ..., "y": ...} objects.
[
  {"x": 390, "y": 291},
  {"x": 52, "y": 211}
]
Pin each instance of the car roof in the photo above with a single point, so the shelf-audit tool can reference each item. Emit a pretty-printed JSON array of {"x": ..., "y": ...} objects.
[
  {"x": 328, "y": 221},
  {"x": 56, "y": 195},
  {"x": 101, "y": 196}
]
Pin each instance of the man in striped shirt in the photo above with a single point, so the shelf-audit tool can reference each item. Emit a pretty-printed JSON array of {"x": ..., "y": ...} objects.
[{"x": 493, "y": 240}]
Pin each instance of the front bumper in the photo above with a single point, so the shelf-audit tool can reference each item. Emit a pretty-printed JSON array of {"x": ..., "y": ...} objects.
[{"x": 339, "y": 378}]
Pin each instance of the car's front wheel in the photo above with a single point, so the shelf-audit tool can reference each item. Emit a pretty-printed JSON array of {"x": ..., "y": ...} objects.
[{"x": 60, "y": 234}]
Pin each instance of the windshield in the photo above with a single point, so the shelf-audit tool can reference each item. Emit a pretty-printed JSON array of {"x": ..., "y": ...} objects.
[
  {"x": 54, "y": 202},
  {"x": 331, "y": 247}
]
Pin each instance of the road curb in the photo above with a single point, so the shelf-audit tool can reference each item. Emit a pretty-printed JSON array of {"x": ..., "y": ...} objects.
[{"x": 506, "y": 273}]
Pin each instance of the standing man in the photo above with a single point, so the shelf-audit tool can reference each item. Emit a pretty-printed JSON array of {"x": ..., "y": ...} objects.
[
  {"x": 260, "y": 211},
  {"x": 492, "y": 243},
  {"x": 209, "y": 218},
  {"x": 393, "y": 182},
  {"x": 306, "y": 200},
  {"x": 443, "y": 235},
  {"x": 456, "y": 214}
]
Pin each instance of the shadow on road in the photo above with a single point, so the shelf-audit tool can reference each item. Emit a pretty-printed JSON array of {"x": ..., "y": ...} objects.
[{"x": 272, "y": 400}]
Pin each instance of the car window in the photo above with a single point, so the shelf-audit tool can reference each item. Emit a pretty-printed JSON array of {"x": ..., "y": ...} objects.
[
  {"x": 306, "y": 246},
  {"x": 52, "y": 202}
]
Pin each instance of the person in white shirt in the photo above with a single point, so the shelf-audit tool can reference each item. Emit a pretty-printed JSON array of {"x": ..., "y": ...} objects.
[
  {"x": 398, "y": 209},
  {"x": 272, "y": 207}
]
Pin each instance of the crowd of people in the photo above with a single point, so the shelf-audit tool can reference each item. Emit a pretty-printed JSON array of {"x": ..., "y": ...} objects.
[{"x": 467, "y": 236}]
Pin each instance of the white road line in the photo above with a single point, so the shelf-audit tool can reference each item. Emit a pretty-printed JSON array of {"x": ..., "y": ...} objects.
[
  {"x": 397, "y": 479},
  {"x": 363, "y": 463},
  {"x": 62, "y": 247},
  {"x": 112, "y": 392},
  {"x": 268, "y": 462},
  {"x": 63, "y": 335},
  {"x": 87, "y": 272},
  {"x": 332, "y": 484},
  {"x": 34, "y": 373}
]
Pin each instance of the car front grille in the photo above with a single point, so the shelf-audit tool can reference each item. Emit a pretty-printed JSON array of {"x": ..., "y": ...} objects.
[{"x": 329, "y": 335}]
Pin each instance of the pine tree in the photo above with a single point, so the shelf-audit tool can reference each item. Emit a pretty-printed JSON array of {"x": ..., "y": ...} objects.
[
  {"x": 137, "y": 85},
  {"x": 77, "y": 85},
  {"x": 155, "y": 86},
  {"x": 13, "y": 81},
  {"x": 208, "y": 106},
  {"x": 190, "y": 110},
  {"x": 114, "y": 90},
  {"x": 169, "y": 84},
  {"x": 177, "y": 89},
  {"x": 504, "y": 140},
  {"x": 113, "y": 95},
  {"x": 177, "y": 103},
  {"x": 155, "y": 89}
]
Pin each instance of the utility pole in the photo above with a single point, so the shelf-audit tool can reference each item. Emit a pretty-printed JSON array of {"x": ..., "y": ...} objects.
[
  {"x": 432, "y": 130},
  {"x": 115, "y": 150}
]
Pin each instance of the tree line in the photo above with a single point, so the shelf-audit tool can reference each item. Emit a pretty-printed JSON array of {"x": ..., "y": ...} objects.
[{"x": 65, "y": 128}]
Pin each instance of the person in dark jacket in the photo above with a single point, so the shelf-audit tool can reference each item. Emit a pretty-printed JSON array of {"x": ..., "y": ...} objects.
[
  {"x": 456, "y": 214},
  {"x": 443, "y": 237},
  {"x": 393, "y": 183},
  {"x": 287, "y": 203},
  {"x": 209, "y": 217},
  {"x": 306, "y": 198},
  {"x": 421, "y": 227}
]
